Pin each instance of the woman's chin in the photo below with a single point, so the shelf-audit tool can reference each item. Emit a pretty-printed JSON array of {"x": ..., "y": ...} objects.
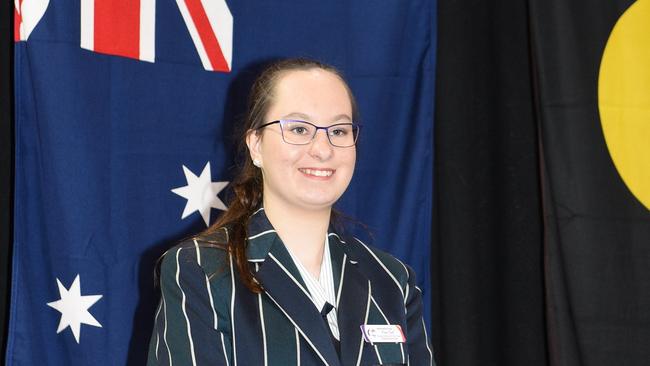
[{"x": 320, "y": 201}]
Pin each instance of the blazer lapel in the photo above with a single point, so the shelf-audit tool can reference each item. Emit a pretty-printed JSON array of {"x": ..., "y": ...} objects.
[
  {"x": 353, "y": 297},
  {"x": 287, "y": 291},
  {"x": 283, "y": 284}
]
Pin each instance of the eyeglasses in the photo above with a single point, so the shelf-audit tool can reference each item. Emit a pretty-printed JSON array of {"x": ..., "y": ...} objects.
[{"x": 296, "y": 132}]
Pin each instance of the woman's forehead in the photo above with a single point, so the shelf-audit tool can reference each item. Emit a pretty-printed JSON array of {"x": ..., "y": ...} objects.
[{"x": 309, "y": 92}]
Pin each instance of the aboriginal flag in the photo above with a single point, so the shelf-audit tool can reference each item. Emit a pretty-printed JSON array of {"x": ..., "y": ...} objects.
[
  {"x": 543, "y": 183},
  {"x": 124, "y": 113},
  {"x": 592, "y": 72}
]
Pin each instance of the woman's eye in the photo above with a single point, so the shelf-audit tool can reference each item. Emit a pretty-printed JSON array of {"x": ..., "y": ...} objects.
[
  {"x": 299, "y": 130},
  {"x": 339, "y": 132}
]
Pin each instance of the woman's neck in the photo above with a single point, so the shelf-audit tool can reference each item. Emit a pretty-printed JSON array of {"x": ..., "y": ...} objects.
[{"x": 302, "y": 232}]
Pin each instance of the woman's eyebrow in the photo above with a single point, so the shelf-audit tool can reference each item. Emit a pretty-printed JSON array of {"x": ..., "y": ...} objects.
[
  {"x": 297, "y": 115},
  {"x": 305, "y": 117},
  {"x": 341, "y": 117}
]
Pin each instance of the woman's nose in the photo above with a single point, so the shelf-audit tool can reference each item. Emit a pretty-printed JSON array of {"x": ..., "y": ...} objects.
[{"x": 321, "y": 148}]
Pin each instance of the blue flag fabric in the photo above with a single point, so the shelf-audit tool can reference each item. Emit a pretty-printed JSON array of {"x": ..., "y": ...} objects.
[{"x": 124, "y": 118}]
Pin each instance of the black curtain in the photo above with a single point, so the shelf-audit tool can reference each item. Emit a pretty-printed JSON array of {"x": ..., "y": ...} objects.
[
  {"x": 541, "y": 249},
  {"x": 488, "y": 229},
  {"x": 6, "y": 163}
]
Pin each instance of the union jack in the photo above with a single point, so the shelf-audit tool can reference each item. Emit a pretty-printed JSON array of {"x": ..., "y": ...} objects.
[{"x": 128, "y": 27}]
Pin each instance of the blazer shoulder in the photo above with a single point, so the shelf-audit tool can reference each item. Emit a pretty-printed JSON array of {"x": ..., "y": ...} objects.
[
  {"x": 382, "y": 261},
  {"x": 208, "y": 250}
]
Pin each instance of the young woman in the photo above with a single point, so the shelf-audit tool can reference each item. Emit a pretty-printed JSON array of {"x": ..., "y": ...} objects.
[{"x": 274, "y": 282}]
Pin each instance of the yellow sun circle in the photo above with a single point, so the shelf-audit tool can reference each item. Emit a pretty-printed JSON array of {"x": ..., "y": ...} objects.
[{"x": 624, "y": 98}]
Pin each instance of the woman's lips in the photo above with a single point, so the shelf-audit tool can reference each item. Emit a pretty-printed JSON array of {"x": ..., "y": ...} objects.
[{"x": 317, "y": 173}]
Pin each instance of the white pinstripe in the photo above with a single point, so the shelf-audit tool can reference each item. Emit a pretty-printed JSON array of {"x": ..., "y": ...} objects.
[
  {"x": 426, "y": 342},
  {"x": 157, "y": 343},
  {"x": 214, "y": 312},
  {"x": 374, "y": 345},
  {"x": 338, "y": 295},
  {"x": 337, "y": 235},
  {"x": 198, "y": 252},
  {"x": 259, "y": 297},
  {"x": 377, "y": 353},
  {"x": 227, "y": 234},
  {"x": 225, "y": 353},
  {"x": 187, "y": 319},
  {"x": 408, "y": 277},
  {"x": 297, "y": 347},
  {"x": 232, "y": 311},
  {"x": 165, "y": 331},
  {"x": 406, "y": 296},
  {"x": 260, "y": 234},
  {"x": 157, "y": 334},
  {"x": 207, "y": 285}
]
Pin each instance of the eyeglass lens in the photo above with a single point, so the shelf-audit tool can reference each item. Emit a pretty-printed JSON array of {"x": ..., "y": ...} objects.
[{"x": 300, "y": 133}]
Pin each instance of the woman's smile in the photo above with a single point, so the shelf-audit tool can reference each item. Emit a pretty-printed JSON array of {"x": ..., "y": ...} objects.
[{"x": 317, "y": 173}]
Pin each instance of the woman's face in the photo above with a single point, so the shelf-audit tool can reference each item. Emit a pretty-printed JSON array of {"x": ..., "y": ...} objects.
[{"x": 315, "y": 175}]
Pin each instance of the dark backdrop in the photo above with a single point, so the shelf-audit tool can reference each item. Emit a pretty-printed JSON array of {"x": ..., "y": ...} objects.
[{"x": 487, "y": 249}]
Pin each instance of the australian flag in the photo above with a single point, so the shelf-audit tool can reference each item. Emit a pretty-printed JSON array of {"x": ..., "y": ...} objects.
[{"x": 125, "y": 112}]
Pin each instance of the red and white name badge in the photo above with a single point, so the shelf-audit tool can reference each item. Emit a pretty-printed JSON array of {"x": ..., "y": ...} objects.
[{"x": 383, "y": 333}]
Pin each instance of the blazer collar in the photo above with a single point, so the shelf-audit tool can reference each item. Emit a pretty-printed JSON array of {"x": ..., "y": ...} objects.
[
  {"x": 283, "y": 284},
  {"x": 262, "y": 237}
]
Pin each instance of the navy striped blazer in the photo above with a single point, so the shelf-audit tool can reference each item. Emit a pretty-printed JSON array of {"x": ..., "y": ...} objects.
[{"x": 207, "y": 317}]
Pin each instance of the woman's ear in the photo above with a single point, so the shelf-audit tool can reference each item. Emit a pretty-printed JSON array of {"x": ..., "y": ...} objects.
[{"x": 254, "y": 143}]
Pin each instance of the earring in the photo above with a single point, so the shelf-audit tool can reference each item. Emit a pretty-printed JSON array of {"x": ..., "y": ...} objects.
[{"x": 257, "y": 163}]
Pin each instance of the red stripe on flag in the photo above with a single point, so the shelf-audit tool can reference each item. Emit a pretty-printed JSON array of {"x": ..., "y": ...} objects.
[
  {"x": 17, "y": 21},
  {"x": 117, "y": 27},
  {"x": 208, "y": 38}
]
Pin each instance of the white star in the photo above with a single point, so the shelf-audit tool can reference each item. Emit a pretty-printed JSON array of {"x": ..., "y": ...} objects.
[
  {"x": 201, "y": 193},
  {"x": 74, "y": 308}
]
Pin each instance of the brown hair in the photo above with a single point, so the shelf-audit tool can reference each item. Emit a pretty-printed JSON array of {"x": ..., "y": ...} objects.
[{"x": 247, "y": 186}]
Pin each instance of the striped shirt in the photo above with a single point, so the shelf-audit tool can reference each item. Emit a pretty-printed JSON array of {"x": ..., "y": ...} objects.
[{"x": 321, "y": 289}]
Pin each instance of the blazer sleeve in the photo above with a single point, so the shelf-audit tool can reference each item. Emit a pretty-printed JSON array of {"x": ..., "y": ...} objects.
[
  {"x": 419, "y": 344},
  {"x": 188, "y": 329}
]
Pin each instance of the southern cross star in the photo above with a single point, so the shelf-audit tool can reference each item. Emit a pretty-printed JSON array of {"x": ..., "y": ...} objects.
[
  {"x": 74, "y": 308},
  {"x": 201, "y": 193}
]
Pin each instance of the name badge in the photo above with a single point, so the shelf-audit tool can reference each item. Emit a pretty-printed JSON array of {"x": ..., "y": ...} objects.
[{"x": 382, "y": 333}]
